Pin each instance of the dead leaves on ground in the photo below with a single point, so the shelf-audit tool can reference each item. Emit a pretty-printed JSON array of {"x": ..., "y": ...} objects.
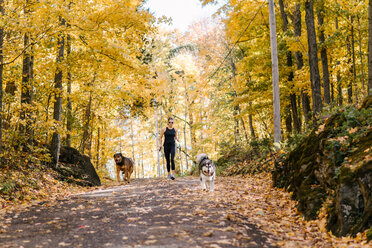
[
  {"x": 29, "y": 186},
  {"x": 253, "y": 200}
]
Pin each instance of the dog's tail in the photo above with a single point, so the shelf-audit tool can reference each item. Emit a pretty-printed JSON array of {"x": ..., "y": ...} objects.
[{"x": 200, "y": 157}]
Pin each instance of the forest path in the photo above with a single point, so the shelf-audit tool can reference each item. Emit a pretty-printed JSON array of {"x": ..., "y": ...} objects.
[
  {"x": 146, "y": 213},
  {"x": 241, "y": 212}
]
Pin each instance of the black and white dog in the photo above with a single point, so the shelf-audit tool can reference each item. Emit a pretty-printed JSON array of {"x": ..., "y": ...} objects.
[{"x": 207, "y": 171}]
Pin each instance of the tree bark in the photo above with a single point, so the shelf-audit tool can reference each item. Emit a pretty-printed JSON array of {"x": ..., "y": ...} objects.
[
  {"x": 132, "y": 144},
  {"x": 361, "y": 54},
  {"x": 350, "y": 85},
  {"x": 323, "y": 54},
  {"x": 57, "y": 112},
  {"x": 26, "y": 92},
  {"x": 98, "y": 146},
  {"x": 353, "y": 56},
  {"x": 84, "y": 140},
  {"x": 300, "y": 63},
  {"x": 339, "y": 88},
  {"x": 243, "y": 125},
  {"x": 370, "y": 48},
  {"x": 288, "y": 121},
  {"x": 295, "y": 115},
  {"x": 1, "y": 74},
  {"x": 293, "y": 108},
  {"x": 251, "y": 127},
  {"x": 236, "y": 107},
  {"x": 90, "y": 136},
  {"x": 69, "y": 103},
  {"x": 313, "y": 57},
  {"x": 275, "y": 73}
]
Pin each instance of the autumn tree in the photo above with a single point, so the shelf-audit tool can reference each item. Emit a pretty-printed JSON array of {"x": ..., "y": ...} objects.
[{"x": 1, "y": 73}]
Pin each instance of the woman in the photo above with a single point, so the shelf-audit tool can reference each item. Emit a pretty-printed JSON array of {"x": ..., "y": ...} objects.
[{"x": 170, "y": 134}]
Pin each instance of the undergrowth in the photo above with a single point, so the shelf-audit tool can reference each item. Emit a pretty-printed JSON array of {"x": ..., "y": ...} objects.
[{"x": 26, "y": 177}]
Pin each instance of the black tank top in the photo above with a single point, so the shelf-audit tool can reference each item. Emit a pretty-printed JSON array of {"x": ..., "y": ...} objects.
[{"x": 169, "y": 134}]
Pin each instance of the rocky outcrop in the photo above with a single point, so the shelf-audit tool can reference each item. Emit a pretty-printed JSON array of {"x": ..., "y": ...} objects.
[
  {"x": 351, "y": 210},
  {"x": 333, "y": 162},
  {"x": 77, "y": 168}
]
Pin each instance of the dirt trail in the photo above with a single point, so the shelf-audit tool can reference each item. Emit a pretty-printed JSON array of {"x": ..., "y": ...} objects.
[{"x": 146, "y": 213}]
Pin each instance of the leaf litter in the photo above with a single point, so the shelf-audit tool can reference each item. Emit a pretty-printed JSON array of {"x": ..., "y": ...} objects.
[{"x": 236, "y": 210}]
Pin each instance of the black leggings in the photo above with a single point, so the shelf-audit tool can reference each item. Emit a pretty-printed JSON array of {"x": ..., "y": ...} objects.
[{"x": 170, "y": 152}]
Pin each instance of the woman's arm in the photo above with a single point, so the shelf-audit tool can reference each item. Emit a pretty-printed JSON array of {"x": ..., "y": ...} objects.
[{"x": 161, "y": 136}]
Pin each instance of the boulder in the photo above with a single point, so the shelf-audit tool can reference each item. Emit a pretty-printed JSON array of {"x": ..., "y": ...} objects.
[
  {"x": 351, "y": 210},
  {"x": 333, "y": 162},
  {"x": 77, "y": 168}
]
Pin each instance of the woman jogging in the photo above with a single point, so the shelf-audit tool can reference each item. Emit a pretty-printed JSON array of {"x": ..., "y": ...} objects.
[{"x": 170, "y": 134}]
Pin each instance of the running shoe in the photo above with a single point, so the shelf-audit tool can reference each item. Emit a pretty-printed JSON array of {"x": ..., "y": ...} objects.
[
  {"x": 169, "y": 177},
  {"x": 172, "y": 177}
]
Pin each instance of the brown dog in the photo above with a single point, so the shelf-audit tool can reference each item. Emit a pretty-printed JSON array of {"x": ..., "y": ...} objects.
[{"x": 125, "y": 165}]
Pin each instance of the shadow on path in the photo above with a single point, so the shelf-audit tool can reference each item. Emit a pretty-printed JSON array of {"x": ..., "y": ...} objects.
[{"x": 146, "y": 213}]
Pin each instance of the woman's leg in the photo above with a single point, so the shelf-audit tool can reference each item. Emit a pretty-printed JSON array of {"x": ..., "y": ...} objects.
[
  {"x": 173, "y": 153},
  {"x": 167, "y": 153}
]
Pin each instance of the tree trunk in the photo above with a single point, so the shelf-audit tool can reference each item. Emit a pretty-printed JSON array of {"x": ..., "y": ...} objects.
[
  {"x": 56, "y": 139},
  {"x": 192, "y": 131},
  {"x": 350, "y": 85},
  {"x": 361, "y": 54},
  {"x": 332, "y": 86},
  {"x": 69, "y": 103},
  {"x": 184, "y": 127},
  {"x": 353, "y": 54},
  {"x": 158, "y": 145},
  {"x": 298, "y": 100},
  {"x": 143, "y": 171},
  {"x": 370, "y": 48},
  {"x": 236, "y": 126},
  {"x": 1, "y": 74},
  {"x": 288, "y": 121},
  {"x": 275, "y": 73},
  {"x": 313, "y": 57},
  {"x": 236, "y": 107},
  {"x": 323, "y": 55},
  {"x": 85, "y": 137},
  {"x": 339, "y": 88},
  {"x": 243, "y": 125},
  {"x": 90, "y": 136},
  {"x": 294, "y": 117},
  {"x": 98, "y": 146},
  {"x": 300, "y": 63},
  {"x": 26, "y": 92},
  {"x": 132, "y": 144},
  {"x": 251, "y": 127}
]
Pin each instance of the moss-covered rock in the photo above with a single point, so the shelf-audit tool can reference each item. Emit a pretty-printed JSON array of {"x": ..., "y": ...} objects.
[
  {"x": 333, "y": 161},
  {"x": 77, "y": 168}
]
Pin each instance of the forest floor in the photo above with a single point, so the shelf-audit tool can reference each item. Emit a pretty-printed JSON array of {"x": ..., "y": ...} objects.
[{"x": 241, "y": 212}]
